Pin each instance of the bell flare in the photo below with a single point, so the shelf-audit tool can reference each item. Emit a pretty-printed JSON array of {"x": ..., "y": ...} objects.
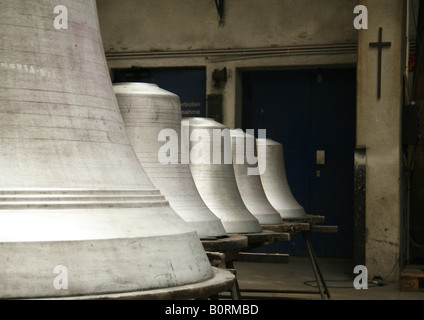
[
  {"x": 213, "y": 174},
  {"x": 75, "y": 203},
  {"x": 102, "y": 250},
  {"x": 249, "y": 183},
  {"x": 105, "y": 245},
  {"x": 274, "y": 180},
  {"x": 149, "y": 112}
]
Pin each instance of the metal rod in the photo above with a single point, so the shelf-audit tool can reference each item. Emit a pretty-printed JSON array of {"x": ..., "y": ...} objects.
[
  {"x": 319, "y": 270},
  {"x": 311, "y": 258},
  {"x": 235, "y": 290}
]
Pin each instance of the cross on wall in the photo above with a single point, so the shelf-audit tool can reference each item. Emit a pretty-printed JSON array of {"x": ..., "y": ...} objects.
[{"x": 379, "y": 45}]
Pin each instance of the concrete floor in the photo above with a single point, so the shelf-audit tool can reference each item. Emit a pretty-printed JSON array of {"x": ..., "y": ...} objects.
[{"x": 293, "y": 275}]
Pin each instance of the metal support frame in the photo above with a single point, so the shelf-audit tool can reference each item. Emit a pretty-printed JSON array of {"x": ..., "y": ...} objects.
[
  {"x": 322, "y": 286},
  {"x": 235, "y": 290}
]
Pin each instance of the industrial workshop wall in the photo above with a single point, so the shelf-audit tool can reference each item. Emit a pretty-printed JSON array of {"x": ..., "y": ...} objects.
[
  {"x": 248, "y": 34},
  {"x": 252, "y": 35}
]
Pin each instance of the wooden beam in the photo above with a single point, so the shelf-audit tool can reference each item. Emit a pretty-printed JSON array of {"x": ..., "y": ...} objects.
[
  {"x": 324, "y": 229},
  {"x": 263, "y": 257}
]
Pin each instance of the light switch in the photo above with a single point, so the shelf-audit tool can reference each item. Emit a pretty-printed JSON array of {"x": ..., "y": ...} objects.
[{"x": 320, "y": 157}]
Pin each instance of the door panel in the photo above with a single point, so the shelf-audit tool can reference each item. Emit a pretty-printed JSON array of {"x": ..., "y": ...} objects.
[
  {"x": 277, "y": 102},
  {"x": 306, "y": 111}
]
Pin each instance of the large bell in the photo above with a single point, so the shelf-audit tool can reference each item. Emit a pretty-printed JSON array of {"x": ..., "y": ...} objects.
[
  {"x": 274, "y": 180},
  {"x": 213, "y": 174},
  {"x": 75, "y": 203},
  {"x": 249, "y": 183},
  {"x": 149, "y": 112}
]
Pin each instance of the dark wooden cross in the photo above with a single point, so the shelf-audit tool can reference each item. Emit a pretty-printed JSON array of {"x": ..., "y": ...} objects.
[{"x": 379, "y": 45}]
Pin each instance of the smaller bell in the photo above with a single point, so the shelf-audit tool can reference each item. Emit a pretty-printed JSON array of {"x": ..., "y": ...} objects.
[
  {"x": 213, "y": 175},
  {"x": 149, "y": 111},
  {"x": 274, "y": 180},
  {"x": 249, "y": 184}
]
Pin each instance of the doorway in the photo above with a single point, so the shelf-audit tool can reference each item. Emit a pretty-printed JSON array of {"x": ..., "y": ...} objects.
[{"x": 310, "y": 110}]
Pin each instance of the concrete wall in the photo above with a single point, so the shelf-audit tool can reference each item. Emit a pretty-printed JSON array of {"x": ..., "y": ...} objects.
[
  {"x": 416, "y": 216},
  {"x": 379, "y": 130},
  {"x": 174, "y": 33},
  {"x": 143, "y": 25}
]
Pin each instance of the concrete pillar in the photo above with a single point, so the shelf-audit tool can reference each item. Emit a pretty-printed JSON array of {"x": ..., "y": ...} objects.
[{"x": 379, "y": 131}]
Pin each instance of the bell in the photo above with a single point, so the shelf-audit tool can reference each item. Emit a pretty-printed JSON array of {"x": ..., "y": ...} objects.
[
  {"x": 149, "y": 112},
  {"x": 274, "y": 180},
  {"x": 78, "y": 215},
  {"x": 249, "y": 183},
  {"x": 213, "y": 174}
]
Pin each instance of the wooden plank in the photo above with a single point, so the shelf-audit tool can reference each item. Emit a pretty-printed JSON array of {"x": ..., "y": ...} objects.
[
  {"x": 409, "y": 284},
  {"x": 324, "y": 229},
  {"x": 224, "y": 244},
  {"x": 290, "y": 227},
  {"x": 215, "y": 258},
  {"x": 412, "y": 278},
  {"x": 265, "y": 237},
  {"x": 413, "y": 271},
  {"x": 263, "y": 257},
  {"x": 216, "y": 255},
  {"x": 309, "y": 218}
]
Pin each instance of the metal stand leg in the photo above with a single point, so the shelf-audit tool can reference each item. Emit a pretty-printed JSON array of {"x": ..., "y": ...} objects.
[
  {"x": 235, "y": 290},
  {"x": 318, "y": 275}
]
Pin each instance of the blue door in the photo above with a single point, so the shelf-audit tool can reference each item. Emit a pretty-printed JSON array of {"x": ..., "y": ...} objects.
[
  {"x": 188, "y": 83},
  {"x": 306, "y": 111}
]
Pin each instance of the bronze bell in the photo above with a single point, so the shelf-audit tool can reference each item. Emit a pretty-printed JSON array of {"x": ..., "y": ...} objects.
[
  {"x": 274, "y": 180},
  {"x": 151, "y": 115},
  {"x": 249, "y": 181},
  {"x": 73, "y": 194},
  {"x": 213, "y": 175}
]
